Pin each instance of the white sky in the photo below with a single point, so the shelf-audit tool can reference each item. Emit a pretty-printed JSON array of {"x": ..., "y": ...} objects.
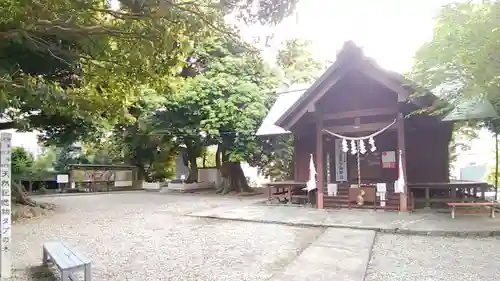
[{"x": 390, "y": 31}]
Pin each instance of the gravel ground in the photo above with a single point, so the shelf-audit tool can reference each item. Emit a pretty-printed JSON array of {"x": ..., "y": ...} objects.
[
  {"x": 143, "y": 236},
  {"x": 423, "y": 258}
]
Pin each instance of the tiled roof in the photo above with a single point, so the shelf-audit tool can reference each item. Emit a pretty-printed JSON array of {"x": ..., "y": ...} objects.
[
  {"x": 474, "y": 109},
  {"x": 284, "y": 101}
]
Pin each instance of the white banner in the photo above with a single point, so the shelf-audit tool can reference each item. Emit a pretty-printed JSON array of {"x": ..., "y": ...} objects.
[
  {"x": 5, "y": 205},
  {"x": 340, "y": 162}
]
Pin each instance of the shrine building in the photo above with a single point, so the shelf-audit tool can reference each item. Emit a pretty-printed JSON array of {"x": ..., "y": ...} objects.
[{"x": 357, "y": 121}]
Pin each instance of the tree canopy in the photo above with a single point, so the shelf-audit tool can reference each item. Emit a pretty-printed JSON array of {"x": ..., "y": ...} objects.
[
  {"x": 462, "y": 61},
  {"x": 298, "y": 63},
  {"x": 225, "y": 96},
  {"x": 136, "y": 81},
  {"x": 71, "y": 68},
  {"x": 22, "y": 161}
]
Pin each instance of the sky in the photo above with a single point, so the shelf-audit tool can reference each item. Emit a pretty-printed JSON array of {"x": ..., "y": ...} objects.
[{"x": 390, "y": 31}]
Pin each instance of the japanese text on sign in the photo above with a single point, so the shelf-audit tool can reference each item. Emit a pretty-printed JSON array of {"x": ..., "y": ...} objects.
[{"x": 5, "y": 204}]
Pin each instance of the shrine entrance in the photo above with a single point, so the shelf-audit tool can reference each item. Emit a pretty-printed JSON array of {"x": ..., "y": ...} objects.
[{"x": 361, "y": 168}]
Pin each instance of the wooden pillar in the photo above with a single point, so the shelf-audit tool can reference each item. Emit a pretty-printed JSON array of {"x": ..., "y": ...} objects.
[
  {"x": 427, "y": 197},
  {"x": 403, "y": 197},
  {"x": 295, "y": 158},
  {"x": 319, "y": 163}
]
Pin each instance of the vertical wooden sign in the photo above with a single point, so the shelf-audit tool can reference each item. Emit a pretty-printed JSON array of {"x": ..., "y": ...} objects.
[
  {"x": 340, "y": 162},
  {"x": 5, "y": 205}
]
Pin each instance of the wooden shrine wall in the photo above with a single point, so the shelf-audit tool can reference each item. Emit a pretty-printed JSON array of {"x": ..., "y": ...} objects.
[
  {"x": 303, "y": 147},
  {"x": 427, "y": 156}
]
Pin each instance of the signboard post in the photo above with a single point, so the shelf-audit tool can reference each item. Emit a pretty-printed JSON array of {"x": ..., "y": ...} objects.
[
  {"x": 5, "y": 205},
  {"x": 340, "y": 162},
  {"x": 62, "y": 180}
]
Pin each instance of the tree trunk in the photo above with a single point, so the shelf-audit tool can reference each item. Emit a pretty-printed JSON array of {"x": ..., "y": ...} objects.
[
  {"x": 141, "y": 173},
  {"x": 233, "y": 178},
  {"x": 193, "y": 168},
  {"x": 20, "y": 196},
  {"x": 218, "y": 162}
]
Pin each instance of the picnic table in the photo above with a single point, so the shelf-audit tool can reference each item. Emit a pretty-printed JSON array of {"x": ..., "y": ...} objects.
[{"x": 286, "y": 190}]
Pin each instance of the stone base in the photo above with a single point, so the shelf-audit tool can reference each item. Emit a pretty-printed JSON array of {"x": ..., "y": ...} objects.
[{"x": 186, "y": 187}]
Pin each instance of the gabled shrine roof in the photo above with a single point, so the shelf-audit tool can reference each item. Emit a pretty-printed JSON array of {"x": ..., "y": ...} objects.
[{"x": 350, "y": 57}]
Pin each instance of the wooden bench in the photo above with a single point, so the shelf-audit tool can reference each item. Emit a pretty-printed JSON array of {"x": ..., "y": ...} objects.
[
  {"x": 453, "y": 206},
  {"x": 66, "y": 260}
]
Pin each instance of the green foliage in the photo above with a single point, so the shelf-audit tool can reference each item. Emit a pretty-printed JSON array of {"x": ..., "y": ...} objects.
[
  {"x": 22, "y": 161},
  {"x": 134, "y": 143},
  {"x": 207, "y": 158},
  {"x": 297, "y": 62},
  {"x": 462, "y": 62},
  {"x": 44, "y": 164},
  {"x": 68, "y": 155},
  {"x": 224, "y": 102},
  {"x": 278, "y": 161},
  {"x": 74, "y": 68},
  {"x": 299, "y": 66},
  {"x": 25, "y": 166},
  {"x": 101, "y": 151}
]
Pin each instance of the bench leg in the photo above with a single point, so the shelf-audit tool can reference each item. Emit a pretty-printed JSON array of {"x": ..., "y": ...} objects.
[
  {"x": 492, "y": 215},
  {"x": 45, "y": 257},
  {"x": 453, "y": 212},
  {"x": 88, "y": 273}
]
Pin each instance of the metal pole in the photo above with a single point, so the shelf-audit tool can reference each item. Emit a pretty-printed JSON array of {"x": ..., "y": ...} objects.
[{"x": 496, "y": 164}]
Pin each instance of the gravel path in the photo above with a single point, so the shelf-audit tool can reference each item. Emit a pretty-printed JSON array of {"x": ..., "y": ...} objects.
[
  {"x": 408, "y": 258},
  {"x": 142, "y": 236},
  {"x": 147, "y": 236}
]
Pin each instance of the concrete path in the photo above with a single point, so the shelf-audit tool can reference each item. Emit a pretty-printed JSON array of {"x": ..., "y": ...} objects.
[
  {"x": 338, "y": 254},
  {"x": 429, "y": 223}
]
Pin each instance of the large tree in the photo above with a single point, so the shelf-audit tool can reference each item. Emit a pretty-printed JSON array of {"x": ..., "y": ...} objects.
[
  {"x": 73, "y": 67},
  {"x": 461, "y": 64},
  {"x": 462, "y": 61},
  {"x": 299, "y": 66},
  {"x": 138, "y": 144},
  {"x": 223, "y": 101}
]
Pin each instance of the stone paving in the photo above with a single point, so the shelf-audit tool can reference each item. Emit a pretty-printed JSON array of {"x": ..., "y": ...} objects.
[
  {"x": 418, "y": 223},
  {"x": 153, "y": 236},
  {"x": 338, "y": 254},
  {"x": 423, "y": 258}
]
